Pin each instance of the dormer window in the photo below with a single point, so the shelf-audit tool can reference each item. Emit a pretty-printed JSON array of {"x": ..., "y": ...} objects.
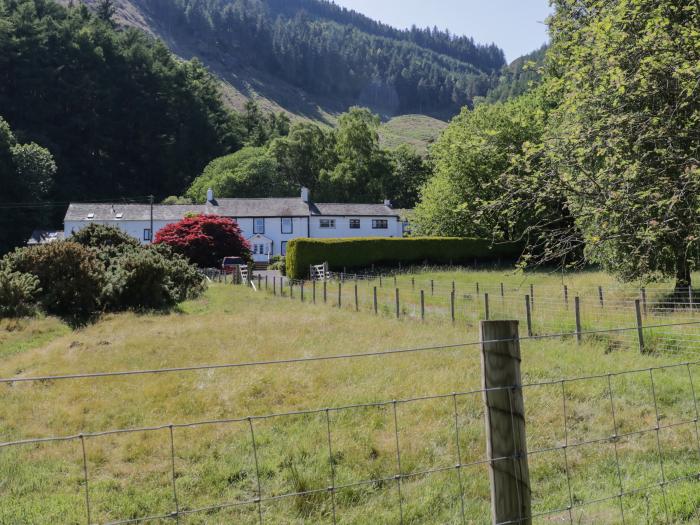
[
  {"x": 120, "y": 215},
  {"x": 91, "y": 216}
]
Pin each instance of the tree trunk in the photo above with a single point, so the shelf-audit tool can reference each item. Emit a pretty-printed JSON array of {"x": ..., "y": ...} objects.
[{"x": 683, "y": 281}]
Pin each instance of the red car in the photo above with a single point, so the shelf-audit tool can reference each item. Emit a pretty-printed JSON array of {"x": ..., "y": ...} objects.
[{"x": 229, "y": 264}]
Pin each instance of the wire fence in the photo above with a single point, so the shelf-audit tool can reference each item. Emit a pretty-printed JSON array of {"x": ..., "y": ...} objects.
[
  {"x": 617, "y": 447},
  {"x": 539, "y": 309}
]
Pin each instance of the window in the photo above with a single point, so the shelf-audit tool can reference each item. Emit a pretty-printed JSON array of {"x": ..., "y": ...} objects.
[
  {"x": 354, "y": 224},
  {"x": 287, "y": 226},
  {"x": 258, "y": 225},
  {"x": 380, "y": 224},
  {"x": 327, "y": 223},
  {"x": 147, "y": 234},
  {"x": 284, "y": 247}
]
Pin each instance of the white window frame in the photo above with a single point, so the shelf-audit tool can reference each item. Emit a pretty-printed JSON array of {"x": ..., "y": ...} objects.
[
  {"x": 255, "y": 224},
  {"x": 380, "y": 224},
  {"x": 355, "y": 221},
  {"x": 329, "y": 224},
  {"x": 291, "y": 225}
]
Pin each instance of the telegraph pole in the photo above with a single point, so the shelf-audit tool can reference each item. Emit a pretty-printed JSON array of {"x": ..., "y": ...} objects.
[{"x": 150, "y": 201}]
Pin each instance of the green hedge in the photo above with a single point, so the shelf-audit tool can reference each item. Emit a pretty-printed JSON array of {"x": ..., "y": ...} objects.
[{"x": 363, "y": 252}]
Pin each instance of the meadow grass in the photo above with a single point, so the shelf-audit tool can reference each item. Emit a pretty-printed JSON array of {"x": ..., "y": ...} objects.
[{"x": 130, "y": 474}]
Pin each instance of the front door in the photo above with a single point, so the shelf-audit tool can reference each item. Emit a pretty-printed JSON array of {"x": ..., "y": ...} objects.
[{"x": 261, "y": 247}]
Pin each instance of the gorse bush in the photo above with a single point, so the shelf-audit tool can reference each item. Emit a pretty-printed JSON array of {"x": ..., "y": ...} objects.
[
  {"x": 18, "y": 293},
  {"x": 145, "y": 279},
  {"x": 71, "y": 277},
  {"x": 105, "y": 271},
  {"x": 363, "y": 252}
]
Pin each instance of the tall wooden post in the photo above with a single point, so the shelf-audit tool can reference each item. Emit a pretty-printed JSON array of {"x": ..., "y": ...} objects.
[
  {"x": 432, "y": 287},
  {"x": 528, "y": 315},
  {"x": 274, "y": 285},
  {"x": 577, "y": 313},
  {"x": 644, "y": 300},
  {"x": 266, "y": 287},
  {"x": 502, "y": 291},
  {"x": 313, "y": 291},
  {"x": 374, "y": 301},
  {"x": 452, "y": 306},
  {"x": 600, "y": 297},
  {"x": 325, "y": 292},
  {"x": 532, "y": 296},
  {"x": 398, "y": 307},
  {"x": 566, "y": 296},
  {"x": 487, "y": 314},
  {"x": 506, "y": 445},
  {"x": 340, "y": 294},
  {"x": 640, "y": 327},
  {"x": 413, "y": 283},
  {"x": 302, "y": 291},
  {"x": 422, "y": 305},
  {"x": 357, "y": 303}
]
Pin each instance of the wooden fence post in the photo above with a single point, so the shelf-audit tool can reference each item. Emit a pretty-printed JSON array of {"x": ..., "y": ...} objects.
[
  {"x": 506, "y": 445},
  {"x": 477, "y": 288},
  {"x": 487, "y": 314},
  {"x": 357, "y": 303},
  {"x": 502, "y": 291},
  {"x": 259, "y": 282},
  {"x": 600, "y": 297},
  {"x": 274, "y": 285},
  {"x": 528, "y": 316},
  {"x": 313, "y": 291},
  {"x": 577, "y": 313},
  {"x": 644, "y": 300},
  {"x": 394, "y": 281},
  {"x": 452, "y": 306},
  {"x": 380, "y": 280},
  {"x": 291, "y": 289},
  {"x": 422, "y": 305},
  {"x": 566, "y": 296},
  {"x": 432, "y": 287},
  {"x": 413, "y": 283},
  {"x": 374, "y": 300},
  {"x": 340, "y": 294},
  {"x": 325, "y": 291},
  {"x": 640, "y": 327},
  {"x": 532, "y": 296},
  {"x": 266, "y": 287},
  {"x": 398, "y": 308}
]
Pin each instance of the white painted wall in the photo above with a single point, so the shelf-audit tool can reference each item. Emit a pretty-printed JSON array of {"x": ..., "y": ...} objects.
[
  {"x": 342, "y": 228},
  {"x": 273, "y": 230},
  {"x": 133, "y": 228}
]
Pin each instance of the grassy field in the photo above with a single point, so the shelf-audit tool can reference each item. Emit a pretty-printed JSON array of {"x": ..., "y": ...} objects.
[
  {"x": 130, "y": 474},
  {"x": 418, "y": 131}
]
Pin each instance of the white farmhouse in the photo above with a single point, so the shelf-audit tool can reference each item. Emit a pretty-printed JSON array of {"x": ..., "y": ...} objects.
[{"x": 268, "y": 224}]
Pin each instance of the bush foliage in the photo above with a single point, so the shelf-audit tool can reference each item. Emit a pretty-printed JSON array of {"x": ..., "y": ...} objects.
[
  {"x": 18, "y": 293},
  {"x": 71, "y": 277},
  {"x": 105, "y": 271},
  {"x": 363, "y": 252},
  {"x": 205, "y": 239}
]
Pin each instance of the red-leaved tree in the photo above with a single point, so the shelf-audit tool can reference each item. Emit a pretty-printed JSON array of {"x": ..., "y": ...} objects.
[{"x": 205, "y": 239}]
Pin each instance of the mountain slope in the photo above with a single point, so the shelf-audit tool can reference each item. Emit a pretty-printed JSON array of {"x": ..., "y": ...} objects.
[{"x": 315, "y": 59}]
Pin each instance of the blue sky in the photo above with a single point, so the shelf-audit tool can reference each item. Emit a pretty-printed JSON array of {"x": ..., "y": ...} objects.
[{"x": 514, "y": 25}]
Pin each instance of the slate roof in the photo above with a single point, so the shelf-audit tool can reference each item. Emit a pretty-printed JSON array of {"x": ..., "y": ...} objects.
[
  {"x": 130, "y": 212},
  {"x": 273, "y": 207}
]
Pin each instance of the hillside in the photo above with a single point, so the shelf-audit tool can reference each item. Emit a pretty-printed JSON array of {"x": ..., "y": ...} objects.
[
  {"x": 314, "y": 59},
  {"x": 419, "y": 131}
]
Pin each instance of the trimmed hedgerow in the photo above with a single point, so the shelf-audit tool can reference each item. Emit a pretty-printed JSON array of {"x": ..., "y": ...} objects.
[{"x": 363, "y": 252}]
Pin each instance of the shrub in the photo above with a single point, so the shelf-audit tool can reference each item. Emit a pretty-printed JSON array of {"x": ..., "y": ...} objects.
[
  {"x": 363, "y": 252},
  {"x": 18, "y": 293},
  {"x": 70, "y": 275},
  {"x": 146, "y": 279},
  {"x": 99, "y": 236},
  {"x": 205, "y": 239}
]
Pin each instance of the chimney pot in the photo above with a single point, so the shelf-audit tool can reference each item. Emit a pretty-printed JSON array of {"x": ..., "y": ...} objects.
[
  {"x": 305, "y": 194},
  {"x": 387, "y": 203},
  {"x": 210, "y": 195}
]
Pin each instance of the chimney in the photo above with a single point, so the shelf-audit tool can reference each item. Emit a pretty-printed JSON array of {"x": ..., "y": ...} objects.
[
  {"x": 387, "y": 203},
  {"x": 305, "y": 195},
  {"x": 210, "y": 195}
]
